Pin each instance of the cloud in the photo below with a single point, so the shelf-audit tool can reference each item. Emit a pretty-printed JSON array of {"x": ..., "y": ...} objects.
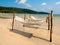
[
  {"x": 28, "y": 5},
  {"x": 58, "y": 3},
  {"x": 51, "y": 8},
  {"x": 43, "y": 4},
  {"x": 22, "y": 1}
]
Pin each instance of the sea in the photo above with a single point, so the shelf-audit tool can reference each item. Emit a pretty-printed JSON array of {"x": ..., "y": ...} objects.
[{"x": 35, "y": 15}]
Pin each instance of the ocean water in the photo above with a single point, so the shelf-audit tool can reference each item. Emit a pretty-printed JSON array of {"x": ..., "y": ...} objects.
[{"x": 35, "y": 15}]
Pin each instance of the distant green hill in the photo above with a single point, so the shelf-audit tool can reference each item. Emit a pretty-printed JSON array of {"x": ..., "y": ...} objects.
[{"x": 19, "y": 10}]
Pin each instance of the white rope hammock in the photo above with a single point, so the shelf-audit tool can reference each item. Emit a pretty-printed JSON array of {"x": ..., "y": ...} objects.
[{"x": 21, "y": 20}]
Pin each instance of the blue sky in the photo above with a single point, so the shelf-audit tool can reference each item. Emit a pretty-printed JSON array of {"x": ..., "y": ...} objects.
[{"x": 37, "y": 5}]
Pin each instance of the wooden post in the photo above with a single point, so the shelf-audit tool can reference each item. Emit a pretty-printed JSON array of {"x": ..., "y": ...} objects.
[
  {"x": 51, "y": 26},
  {"x": 24, "y": 19},
  {"x": 29, "y": 18},
  {"x": 13, "y": 21},
  {"x": 24, "y": 16},
  {"x": 48, "y": 21}
]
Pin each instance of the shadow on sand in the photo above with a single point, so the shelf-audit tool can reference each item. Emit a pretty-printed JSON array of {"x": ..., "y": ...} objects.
[
  {"x": 29, "y": 35},
  {"x": 30, "y": 26},
  {"x": 41, "y": 38},
  {"x": 36, "y": 27}
]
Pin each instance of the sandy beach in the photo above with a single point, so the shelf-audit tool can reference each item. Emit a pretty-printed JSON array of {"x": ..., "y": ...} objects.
[{"x": 40, "y": 35}]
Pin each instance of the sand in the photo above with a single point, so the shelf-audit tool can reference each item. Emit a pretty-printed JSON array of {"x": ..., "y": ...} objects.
[{"x": 40, "y": 35}]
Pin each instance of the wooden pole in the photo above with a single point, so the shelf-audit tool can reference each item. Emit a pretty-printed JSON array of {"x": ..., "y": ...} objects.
[
  {"x": 48, "y": 21},
  {"x": 13, "y": 21},
  {"x": 24, "y": 19},
  {"x": 51, "y": 26}
]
